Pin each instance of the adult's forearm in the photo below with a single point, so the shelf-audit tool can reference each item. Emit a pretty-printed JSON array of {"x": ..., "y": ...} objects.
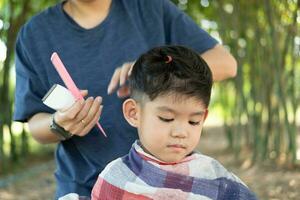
[
  {"x": 39, "y": 126},
  {"x": 222, "y": 64}
]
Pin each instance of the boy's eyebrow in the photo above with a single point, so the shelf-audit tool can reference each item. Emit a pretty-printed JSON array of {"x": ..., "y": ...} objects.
[
  {"x": 198, "y": 113},
  {"x": 167, "y": 109}
]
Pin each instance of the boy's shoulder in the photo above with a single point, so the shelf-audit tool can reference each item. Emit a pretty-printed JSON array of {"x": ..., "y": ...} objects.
[
  {"x": 119, "y": 174},
  {"x": 116, "y": 165},
  {"x": 211, "y": 168}
]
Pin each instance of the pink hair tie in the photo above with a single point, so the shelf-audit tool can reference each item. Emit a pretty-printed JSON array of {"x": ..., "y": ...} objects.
[{"x": 169, "y": 59}]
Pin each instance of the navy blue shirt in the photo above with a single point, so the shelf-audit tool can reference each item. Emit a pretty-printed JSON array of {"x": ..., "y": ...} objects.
[{"x": 132, "y": 27}]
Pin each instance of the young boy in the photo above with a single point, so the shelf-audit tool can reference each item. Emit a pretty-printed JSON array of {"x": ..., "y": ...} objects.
[{"x": 170, "y": 93}]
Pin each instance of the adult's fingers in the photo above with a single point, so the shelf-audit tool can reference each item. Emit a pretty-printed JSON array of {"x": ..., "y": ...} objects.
[
  {"x": 62, "y": 117},
  {"x": 123, "y": 92},
  {"x": 92, "y": 123},
  {"x": 92, "y": 111},
  {"x": 85, "y": 109},
  {"x": 114, "y": 81},
  {"x": 120, "y": 76},
  {"x": 81, "y": 123},
  {"x": 130, "y": 69},
  {"x": 84, "y": 92},
  {"x": 124, "y": 73}
]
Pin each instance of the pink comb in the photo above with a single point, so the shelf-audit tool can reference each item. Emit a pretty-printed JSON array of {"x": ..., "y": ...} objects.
[{"x": 65, "y": 76}]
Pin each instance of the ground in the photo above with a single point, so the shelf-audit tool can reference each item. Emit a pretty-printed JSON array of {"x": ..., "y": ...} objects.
[{"x": 268, "y": 182}]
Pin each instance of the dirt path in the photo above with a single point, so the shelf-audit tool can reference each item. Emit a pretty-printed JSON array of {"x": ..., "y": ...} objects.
[
  {"x": 266, "y": 182},
  {"x": 36, "y": 183}
]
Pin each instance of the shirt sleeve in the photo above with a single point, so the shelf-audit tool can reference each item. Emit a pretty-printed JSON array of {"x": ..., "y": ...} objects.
[
  {"x": 29, "y": 89},
  {"x": 180, "y": 29}
]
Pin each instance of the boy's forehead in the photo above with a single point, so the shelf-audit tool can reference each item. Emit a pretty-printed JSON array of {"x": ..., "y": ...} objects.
[
  {"x": 179, "y": 98},
  {"x": 173, "y": 102}
]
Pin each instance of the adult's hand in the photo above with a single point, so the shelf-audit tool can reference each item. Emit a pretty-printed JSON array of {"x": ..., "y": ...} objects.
[
  {"x": 118, "y": 80},
  {"x": 81, "y": 117}
]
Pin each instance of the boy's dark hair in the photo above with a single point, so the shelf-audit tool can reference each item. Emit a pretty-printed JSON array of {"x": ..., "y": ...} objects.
[{"x": 171, "y": 69}]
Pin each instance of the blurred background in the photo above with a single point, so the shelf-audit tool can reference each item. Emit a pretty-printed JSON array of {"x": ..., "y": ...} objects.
[{"x": 253, "y": 126}]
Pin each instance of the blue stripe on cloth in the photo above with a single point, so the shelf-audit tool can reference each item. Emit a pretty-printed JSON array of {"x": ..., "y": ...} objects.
[
  {"x": 216, "y": 189},
  {"x": 151, "y": 175},
  {"x": 185, "y": 183},
  {"x": 222, "y": 188}
]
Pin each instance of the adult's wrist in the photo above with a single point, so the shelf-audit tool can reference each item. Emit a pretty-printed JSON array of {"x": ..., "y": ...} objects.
[{"x": 58, "y": 130}]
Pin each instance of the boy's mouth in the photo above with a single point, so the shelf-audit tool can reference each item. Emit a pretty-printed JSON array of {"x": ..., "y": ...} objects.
[{"x": 176, "y": 146}]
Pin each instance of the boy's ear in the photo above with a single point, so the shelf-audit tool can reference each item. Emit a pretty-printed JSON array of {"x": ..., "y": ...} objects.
[{"x": 130, "y": 112}]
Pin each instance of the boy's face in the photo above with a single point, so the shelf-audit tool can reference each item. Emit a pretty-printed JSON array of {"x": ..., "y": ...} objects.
[{"x": 169, "y": 128}]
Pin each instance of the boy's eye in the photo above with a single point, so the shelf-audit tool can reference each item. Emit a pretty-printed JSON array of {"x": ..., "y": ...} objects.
[
  {"x": 194, "y": 123},
  {"x": 165, "y": 119}
]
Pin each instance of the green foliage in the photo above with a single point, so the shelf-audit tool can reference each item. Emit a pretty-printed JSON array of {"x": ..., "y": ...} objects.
[
  {"x": 260, "y": 104},
  {"x": 13, "y": 14}
]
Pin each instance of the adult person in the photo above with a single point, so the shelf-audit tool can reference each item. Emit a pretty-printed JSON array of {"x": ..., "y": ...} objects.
[{"x": 93, "y": 38}]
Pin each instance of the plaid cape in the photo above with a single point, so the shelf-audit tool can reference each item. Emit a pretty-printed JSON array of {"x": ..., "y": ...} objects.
[{"x": 140, "y": 176}]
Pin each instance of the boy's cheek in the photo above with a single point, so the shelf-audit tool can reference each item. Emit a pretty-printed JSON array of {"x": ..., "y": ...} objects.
[{"x": 157, "y": 126}]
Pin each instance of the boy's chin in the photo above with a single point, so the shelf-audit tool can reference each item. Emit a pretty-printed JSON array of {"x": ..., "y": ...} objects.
[{"x": 172, "y": 159}]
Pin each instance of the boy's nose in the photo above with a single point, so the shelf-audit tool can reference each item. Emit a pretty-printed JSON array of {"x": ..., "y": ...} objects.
[{"x": 180, "y": 132}]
